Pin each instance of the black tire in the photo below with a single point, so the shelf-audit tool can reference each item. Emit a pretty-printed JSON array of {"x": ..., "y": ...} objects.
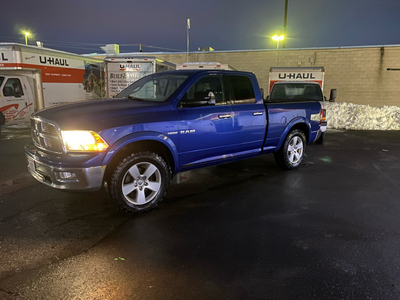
[
  {"x": 2, "y": 120},
  {"x": 321, "y": 138},
  {"x": 146, "y": 190},
  {"x": 291, "y": 154}
]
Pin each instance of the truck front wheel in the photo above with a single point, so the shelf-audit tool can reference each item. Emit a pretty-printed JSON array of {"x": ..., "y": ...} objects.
[
  {"x": 139, "y": 182},
  {"x": 291, "y": 154}
]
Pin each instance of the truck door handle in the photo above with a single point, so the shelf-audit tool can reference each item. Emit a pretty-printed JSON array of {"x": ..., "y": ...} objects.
[
  {"x": 257, "y": 113},
  {"x": 226, "y": 116}
]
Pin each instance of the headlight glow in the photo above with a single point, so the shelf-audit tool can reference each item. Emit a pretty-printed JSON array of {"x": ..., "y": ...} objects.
[{"x": 83, "y": 141}]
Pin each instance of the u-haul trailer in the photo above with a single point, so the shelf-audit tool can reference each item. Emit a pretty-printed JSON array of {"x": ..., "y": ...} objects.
[
  {"x": 313, "y": 74},
  {"x": 33, "y": 78},
  {"x": 123, "y": 71}
]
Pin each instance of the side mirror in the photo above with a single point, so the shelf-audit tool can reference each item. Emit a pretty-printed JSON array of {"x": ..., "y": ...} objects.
[
  {"x": 210, "y": 98},
  {"x": 332, "y": 97},
  {"x": 205, "y": 101}
]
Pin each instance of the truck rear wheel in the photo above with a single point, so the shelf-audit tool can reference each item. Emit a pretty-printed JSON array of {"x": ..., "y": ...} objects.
[
  {"x": 139, "y": 182},
  {"x": 291, "y": 154}
]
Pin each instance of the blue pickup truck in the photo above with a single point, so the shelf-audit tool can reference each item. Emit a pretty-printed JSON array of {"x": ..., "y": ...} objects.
[{"x": 163, "y": 124}]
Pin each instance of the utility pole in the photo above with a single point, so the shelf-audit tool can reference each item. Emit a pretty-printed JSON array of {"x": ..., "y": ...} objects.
[
  {"x": 187, "y": 39},
  {"x": 284, "y": 24}
]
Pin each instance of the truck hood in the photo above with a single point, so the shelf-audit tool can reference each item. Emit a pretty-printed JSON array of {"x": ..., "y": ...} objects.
[{"x": 98, "y": 114}]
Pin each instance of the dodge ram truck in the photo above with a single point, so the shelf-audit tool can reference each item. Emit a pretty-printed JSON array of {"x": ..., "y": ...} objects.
[{"x": 163, "y": 124}]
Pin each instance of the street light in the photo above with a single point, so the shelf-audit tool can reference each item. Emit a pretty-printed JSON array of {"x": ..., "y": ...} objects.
[
  {"x": 27, "y": 34},
  {"x": 277, "y": 39}
]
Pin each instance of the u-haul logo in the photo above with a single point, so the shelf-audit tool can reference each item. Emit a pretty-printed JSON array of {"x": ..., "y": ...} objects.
[
  {"x": 48, "y": 60},
  {"x": 296, "y": 76},
  {"x": 130, "y": 67}
]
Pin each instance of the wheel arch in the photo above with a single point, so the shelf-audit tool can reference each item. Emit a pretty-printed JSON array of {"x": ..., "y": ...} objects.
[
  {"x": 300, "y": 124},
  {"x": 159, "y": 144}
]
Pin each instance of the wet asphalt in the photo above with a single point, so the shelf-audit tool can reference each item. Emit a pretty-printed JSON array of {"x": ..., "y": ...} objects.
[{"x": 245, "y": 230}]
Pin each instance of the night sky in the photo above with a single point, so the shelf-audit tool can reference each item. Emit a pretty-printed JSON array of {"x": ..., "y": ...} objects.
[{"x": 160, "y": 25}]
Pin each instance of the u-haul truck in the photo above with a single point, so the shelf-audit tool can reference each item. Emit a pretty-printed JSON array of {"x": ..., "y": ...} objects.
[
  {"x": 123, "y": 71},
  {"x": 313, "y": 74},
  {"x": 33, "y": 78}
]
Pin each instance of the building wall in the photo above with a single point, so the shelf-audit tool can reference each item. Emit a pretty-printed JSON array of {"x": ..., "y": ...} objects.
[{"x": 360, "y": 74}]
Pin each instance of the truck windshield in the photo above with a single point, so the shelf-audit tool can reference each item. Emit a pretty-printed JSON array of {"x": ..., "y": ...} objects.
[
  {"x": 154, "y": 88},
  {"x": 1, "y": 80},
  {"x": 296, "y": 92}
]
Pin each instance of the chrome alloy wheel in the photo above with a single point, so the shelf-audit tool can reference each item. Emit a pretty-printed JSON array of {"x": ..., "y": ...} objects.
[
  {"x": 141, "y": 183},
  {"x": 295, "y": 149}
]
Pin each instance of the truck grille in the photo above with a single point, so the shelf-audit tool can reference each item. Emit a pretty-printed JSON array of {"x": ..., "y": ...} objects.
[{"x": 46, "y": 136}]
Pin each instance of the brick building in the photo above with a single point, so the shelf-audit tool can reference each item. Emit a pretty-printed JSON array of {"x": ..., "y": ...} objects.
[{"x": 362, "y": 75}]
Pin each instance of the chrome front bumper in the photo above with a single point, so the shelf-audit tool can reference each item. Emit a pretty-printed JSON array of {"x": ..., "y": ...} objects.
[{"x": 84, "y": 179}]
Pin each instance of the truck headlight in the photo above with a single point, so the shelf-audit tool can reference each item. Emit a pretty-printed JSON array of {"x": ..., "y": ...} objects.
[{"x": 83, "y": 141}]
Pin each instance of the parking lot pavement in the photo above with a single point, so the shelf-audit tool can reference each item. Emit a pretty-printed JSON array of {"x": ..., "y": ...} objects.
[
  {"x": 13, "y": 171},
  {"x": 247, "y": 230}
]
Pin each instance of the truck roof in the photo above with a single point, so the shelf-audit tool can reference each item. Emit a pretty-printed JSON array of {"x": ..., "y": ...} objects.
[
  {"x": 133, "y": 58},
  {"x": 296, "y": 82},
  {"x": 296, "y": 69},
  {"x": 209, "y": 71}
]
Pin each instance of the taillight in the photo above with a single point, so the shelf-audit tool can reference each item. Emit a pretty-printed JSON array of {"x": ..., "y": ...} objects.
[{"x": 322, "y": 116}]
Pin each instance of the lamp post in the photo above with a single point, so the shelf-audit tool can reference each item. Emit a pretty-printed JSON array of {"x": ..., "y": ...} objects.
[
  {"x": 277, "y": 39},
  {"x": 26, "y": 34},
  {"x": 285, "y": 23},
  {"x": 187, "y": 38}
]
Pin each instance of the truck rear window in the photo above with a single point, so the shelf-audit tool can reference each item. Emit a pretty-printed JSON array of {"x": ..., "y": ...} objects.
[
  {"x": 295, "y": 92},
  {"x": 241, "y": 89}
]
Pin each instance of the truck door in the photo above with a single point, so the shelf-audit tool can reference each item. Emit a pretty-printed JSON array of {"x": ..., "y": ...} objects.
[
  {"x": 16, "y": 100},
  {"x": 205, "y": 124},
  {"x": 249, "y": 119}
]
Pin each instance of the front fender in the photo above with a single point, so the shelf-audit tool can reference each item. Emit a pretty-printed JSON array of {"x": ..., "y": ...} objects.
[
  {"x": 142, "y": 136},
  {"x": 300, "y": 122}
]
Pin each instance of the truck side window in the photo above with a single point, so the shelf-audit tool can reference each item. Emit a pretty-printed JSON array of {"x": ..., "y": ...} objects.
[
  {"x": 202, "y": 89},
  {"x": 13, "y": 87},
  {"x": 241, "y": 89}
]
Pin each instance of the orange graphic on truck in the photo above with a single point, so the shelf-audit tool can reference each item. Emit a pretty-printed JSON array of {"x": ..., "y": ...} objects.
[{"x": 13, "y": 111}]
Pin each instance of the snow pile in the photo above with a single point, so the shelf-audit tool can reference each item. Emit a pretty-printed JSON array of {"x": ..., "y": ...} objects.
[{"x": 344, "y": 115}]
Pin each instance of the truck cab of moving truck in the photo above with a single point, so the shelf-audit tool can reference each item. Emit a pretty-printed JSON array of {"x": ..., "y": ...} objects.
[{"x": 16, "y": 99}]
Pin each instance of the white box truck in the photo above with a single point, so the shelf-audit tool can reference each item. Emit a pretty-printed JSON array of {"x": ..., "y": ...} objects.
[
  {"x": 123, "y": 71},
  {"x": 33, "y": 78},
  {"x": 304, "y": 74}
]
